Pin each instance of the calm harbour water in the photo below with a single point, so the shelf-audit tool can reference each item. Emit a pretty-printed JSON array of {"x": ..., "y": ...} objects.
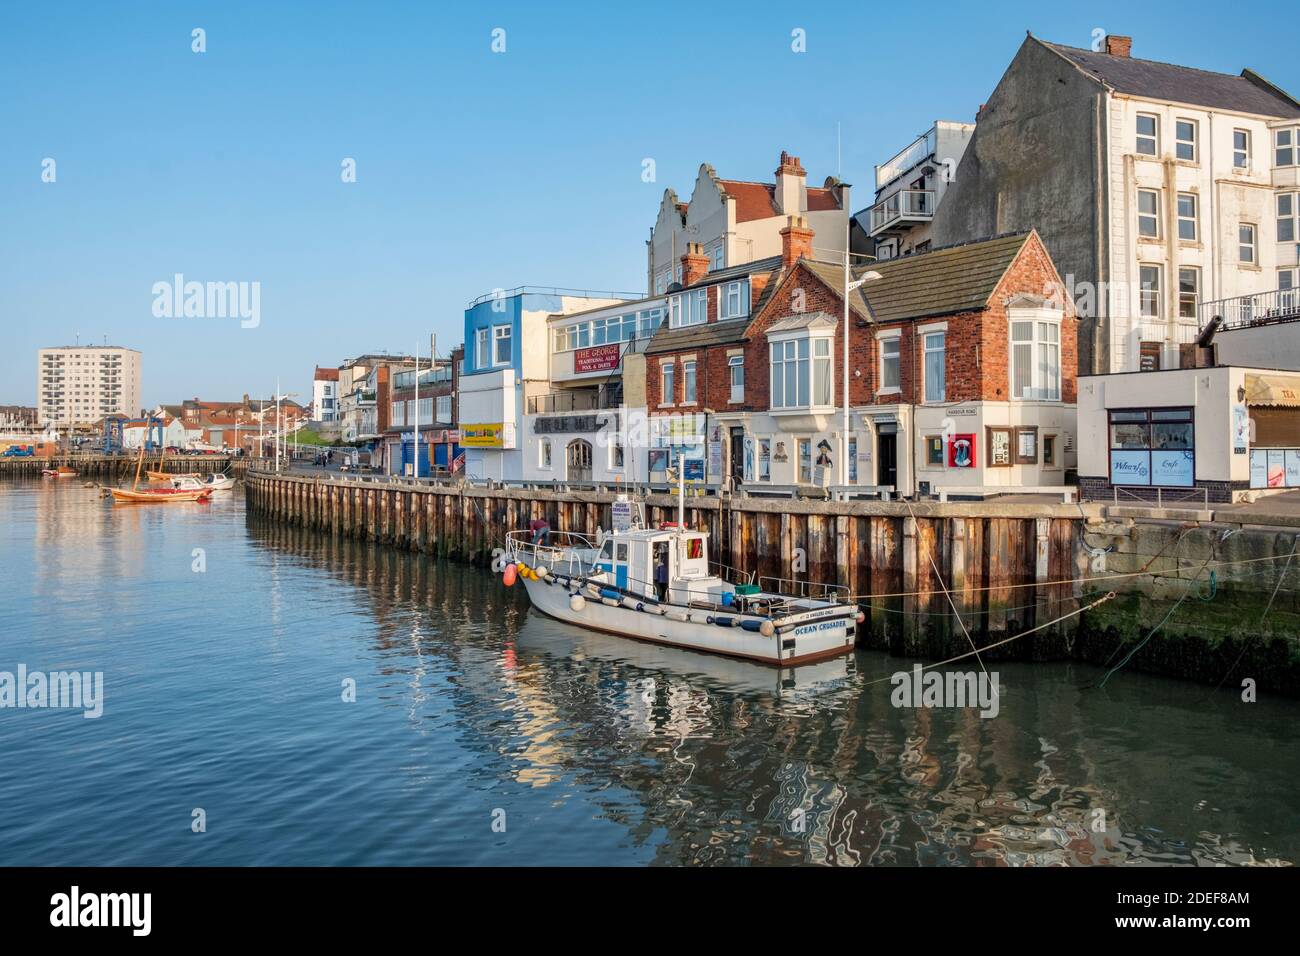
[{"x": 223, "y": 691}]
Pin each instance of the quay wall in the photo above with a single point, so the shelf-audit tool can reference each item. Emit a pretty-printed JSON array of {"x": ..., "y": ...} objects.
[
  {"x": 931, "y": 578},
  {"x": 116, "y": 466}
]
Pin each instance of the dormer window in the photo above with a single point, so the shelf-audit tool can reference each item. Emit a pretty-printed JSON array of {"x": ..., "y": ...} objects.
[
  {"x": 733, "y": 300},
  {"x": 688, "y": 308}
]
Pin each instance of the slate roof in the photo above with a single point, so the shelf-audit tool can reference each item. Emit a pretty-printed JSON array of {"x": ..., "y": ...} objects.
[
  {"x": 945, "y": 281},
  {"x": 1247, "y": 93},
  {"x": 728, "y": 332}
]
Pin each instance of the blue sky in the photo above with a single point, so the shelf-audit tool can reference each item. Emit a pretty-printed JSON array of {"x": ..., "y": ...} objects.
[{"x": 475, "y": 170}]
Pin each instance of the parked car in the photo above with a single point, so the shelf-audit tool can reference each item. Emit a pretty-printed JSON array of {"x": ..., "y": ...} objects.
[{"x": 18, "y": 451}]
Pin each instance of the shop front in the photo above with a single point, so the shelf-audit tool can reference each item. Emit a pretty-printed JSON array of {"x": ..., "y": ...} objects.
[{"x": 1209, "y": 434}]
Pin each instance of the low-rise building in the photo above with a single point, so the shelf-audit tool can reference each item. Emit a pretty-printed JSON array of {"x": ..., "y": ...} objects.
[
  {"x": 584, "y": 427},
  {"x": 438, "y": 441},
  {"x": 507, "y": 363},
  {"x": 962, "y": 372},
  {"x": 325, "y": 394},
  {"x": 1193, "y": 435}
]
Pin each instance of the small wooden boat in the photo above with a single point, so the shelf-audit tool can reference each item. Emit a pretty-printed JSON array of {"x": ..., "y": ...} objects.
[
  {"x": 153, "y": 495},
  {"x": 137, "y": 495},
  {"x": 63, "y": 471}
]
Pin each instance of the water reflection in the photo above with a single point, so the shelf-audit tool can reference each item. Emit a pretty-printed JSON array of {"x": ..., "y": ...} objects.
[{"x": 730, "y": 762}]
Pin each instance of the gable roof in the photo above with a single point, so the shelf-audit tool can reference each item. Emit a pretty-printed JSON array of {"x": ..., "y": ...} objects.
[
  {"x": 945, "y": 281},
  {"x": 758, "y": 200},
  {"x": 1247, "y": 93}
]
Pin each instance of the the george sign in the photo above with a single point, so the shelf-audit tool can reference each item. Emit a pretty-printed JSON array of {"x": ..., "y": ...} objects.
[
  {"x": 1130, "y": 468},
  {"x": 961, "y": 451},
  {"x": 598, "y": 358},
  {"x": 488, "y": 435}
]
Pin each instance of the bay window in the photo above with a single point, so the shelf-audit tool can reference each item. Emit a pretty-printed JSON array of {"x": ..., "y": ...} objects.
[
  {"x": 1036, "y": 360},
  {"x": 801, "y": 373},
  {"x": 1285, "y": 147},
  {"x": 1288, "y": 216}
]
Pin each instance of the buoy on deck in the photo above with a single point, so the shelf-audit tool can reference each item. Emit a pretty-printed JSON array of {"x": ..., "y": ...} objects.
[
  {"x": 767, "y": 628},
  {"x": 577, "y": 602}
]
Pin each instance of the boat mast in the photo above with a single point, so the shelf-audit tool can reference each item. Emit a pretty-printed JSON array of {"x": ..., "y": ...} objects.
[{"x": 139, "y": 462}]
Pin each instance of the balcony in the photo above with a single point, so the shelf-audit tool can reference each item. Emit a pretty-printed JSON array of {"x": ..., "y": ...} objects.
[
  {"x": 916, "y": 152},
  {"x": 576, "y": 400},
  {"x": 1249, "y": 311},
  {"x": 901, "y": 209}
]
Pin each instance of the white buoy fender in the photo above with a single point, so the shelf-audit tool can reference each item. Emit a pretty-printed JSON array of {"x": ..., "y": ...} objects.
[
  {"x": 767, "y": 628},
  {"x": 577, "y": 602}
]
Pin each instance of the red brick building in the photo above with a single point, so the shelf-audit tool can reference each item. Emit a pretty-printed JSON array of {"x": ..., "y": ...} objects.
[{"x": 962, "y": 370}]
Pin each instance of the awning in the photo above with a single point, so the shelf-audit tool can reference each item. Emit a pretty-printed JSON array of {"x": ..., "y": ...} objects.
[{"x": 1273, "y": 390}]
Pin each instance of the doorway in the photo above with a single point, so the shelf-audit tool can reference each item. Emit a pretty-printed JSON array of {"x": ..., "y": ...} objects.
[
  {"x": 578, "y": 460},
  {"x": 736, "y": 449},
  {"x": 887, "y": 460}
]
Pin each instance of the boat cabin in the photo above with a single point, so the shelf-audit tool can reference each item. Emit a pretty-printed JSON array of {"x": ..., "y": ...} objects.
[{"x": 664, "y": 564}]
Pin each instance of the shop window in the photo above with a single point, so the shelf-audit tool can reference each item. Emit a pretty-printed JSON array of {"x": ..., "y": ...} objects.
[
  {"x": 934, "y": 451},
  {"x": 1152, "y": 447}
]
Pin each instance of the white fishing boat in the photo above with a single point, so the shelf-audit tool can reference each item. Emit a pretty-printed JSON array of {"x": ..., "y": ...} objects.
[
  {"x": 216, "y": 482},
  {"x": 656, "y": 584}
]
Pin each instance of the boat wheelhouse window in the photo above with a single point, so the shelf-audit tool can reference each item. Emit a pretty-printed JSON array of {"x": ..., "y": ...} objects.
[
  {"x": 694, "y": 549},
  {"x": 622, "y": 552},
  {"x": 607, "y": 552}
]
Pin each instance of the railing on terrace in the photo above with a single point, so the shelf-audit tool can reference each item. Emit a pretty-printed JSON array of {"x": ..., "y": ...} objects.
[
  {"x": 1247, "y": 311},
  {"x": 915, "y": 205},
  {"x": 575, "y": 400},
  {"x": 550, "y": 290},
  {"x": 917, "y": 151}
]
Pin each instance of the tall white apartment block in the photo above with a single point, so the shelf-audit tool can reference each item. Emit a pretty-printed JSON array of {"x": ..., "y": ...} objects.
[{"x": 80, "y": 384}]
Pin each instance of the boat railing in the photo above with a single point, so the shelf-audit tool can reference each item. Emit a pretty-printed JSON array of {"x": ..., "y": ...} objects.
[
  {"x": 808, "y": 590},
  {"x": 562, "y": 550}
]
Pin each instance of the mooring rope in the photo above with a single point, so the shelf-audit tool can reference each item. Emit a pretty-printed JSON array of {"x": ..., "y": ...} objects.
[
  {"x": 946, "y": 593},
  {"x": 1015, "y": 637}
]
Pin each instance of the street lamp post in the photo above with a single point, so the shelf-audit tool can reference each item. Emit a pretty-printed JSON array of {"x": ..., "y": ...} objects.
[{"x": 849, "y": 285}]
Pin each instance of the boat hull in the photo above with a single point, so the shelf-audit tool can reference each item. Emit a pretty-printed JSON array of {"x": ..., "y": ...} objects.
[
  {"x": 161, "y": 496},
  {"x": 802, "y": 639}
]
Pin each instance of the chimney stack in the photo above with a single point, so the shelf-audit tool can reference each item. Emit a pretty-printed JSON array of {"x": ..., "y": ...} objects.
[
  {"x": 695, "y": 264},
  {"x": 1119, "y": 46},
  {"x": 791, "y": 192},
  {"x": 796, "y": 241}
]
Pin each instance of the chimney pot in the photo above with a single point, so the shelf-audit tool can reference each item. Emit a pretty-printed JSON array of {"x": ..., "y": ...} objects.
[
  {"x": 1119, "y": 45},
  {"x": 695, "y": 264}
]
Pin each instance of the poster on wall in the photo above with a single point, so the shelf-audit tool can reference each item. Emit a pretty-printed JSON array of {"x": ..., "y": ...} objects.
[
  {"x": 1259, "y": 468},
  {"x": 999, "y": 447},
  {"x": 694, "y": 469},
  {"x": 658, "y": 460},
  {"x": 1276, "y": 468},
  {"x": 1130, "y": 468},
  {"x": 1293, "y": 468},
  {"x": 1240, "y": 429},
  {"x": 961, "y": 451},
  {"x": 1173, "y": 468}
]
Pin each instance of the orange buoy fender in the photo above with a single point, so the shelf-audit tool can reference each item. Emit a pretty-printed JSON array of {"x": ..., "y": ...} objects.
[{"x": 508, "y": 576}]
